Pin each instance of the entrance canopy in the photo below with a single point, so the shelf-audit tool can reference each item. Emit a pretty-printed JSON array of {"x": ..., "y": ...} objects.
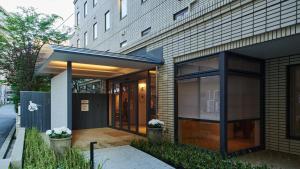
[{"x": 88, "y": 63}]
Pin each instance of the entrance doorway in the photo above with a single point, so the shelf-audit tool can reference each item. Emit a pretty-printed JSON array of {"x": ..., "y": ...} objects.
[{"x": 130, "y": 101}]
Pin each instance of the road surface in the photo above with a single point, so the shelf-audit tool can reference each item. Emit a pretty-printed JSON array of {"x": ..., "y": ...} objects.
[{"x": 7, "y": 121}]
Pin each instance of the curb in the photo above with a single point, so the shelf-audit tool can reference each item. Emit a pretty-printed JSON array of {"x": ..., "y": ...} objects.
[{"x": 6, "y": 144}]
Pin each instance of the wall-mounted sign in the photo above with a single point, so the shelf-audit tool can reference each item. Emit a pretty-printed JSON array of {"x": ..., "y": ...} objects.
[{"x": 84, "y": 105}]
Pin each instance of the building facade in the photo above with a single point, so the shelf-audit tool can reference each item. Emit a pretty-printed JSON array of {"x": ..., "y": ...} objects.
[{"x": 230, "y": 78}]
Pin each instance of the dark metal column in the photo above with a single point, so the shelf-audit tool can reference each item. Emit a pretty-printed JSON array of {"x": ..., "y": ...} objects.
[{"x": 223, "y": 104}]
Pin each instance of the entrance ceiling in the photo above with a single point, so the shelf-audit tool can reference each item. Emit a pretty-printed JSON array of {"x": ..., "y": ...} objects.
[{"x": 86, "y": 63}]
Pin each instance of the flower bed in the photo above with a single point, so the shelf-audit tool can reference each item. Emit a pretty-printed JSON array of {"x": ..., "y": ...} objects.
[
  {"x": 190, "y": 157},
  {"x": 38, "y": 155}
]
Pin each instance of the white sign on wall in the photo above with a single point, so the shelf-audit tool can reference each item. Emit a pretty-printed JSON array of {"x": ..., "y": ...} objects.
[{"x": 85, "y": 105}]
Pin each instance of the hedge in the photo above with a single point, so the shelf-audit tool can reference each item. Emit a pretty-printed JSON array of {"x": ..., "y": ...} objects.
[{"x": 190, "y": 157}]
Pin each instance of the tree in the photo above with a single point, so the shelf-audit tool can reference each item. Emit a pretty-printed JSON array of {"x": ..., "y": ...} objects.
[{"x": 22, "y": 35}]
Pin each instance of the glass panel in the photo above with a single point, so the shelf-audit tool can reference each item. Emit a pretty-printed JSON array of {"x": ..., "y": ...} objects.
[
  {"x": 295, "y": 101},
  {"x": 132, "y": 116},
  {"x": 125, "y": 108},
  {"x": 153, "y": 94},
  {"x": 198, "y": 133},
  {"x": 142, "y": 106},
  {"x": 117, "y": 105},
  {"x": 238, "y": 63},
  {"x": 199, "y": 98},
  {"x": 243, "y": 97},
  {"x": 202, "y": 65},
  {"x": 243, "y": 134}
]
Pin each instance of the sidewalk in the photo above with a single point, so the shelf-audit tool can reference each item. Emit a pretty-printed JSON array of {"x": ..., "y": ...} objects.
[{"x": 126, "y": 157}]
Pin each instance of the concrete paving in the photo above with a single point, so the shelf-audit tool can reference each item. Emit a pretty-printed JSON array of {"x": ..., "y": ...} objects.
[
  {"x": 274, "y": 159},
  {"x": 7, "y": 121},
  {"x": 126, "y": 157}
]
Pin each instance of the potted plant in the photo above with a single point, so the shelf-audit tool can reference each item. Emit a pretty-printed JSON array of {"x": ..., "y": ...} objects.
[
  {"x": 155, "y": 128},
  {"x": 60, "y": 139}
]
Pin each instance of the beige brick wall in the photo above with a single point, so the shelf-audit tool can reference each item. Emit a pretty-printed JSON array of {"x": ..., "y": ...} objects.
[
  {"x": 275, "y": 105},
  {"x": 218, "y": 31}
]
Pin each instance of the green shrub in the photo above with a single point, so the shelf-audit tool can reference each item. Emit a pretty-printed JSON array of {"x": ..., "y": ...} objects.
[
  {"x": 190, "y": 157},
  {"x": 38, "y": 155}
]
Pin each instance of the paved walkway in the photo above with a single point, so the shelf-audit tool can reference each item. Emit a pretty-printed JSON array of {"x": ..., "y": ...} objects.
[
  {"x": 126, "y": 157},
  {"x": 7, "y": 120},
  {"x": 105, "y": 138}
]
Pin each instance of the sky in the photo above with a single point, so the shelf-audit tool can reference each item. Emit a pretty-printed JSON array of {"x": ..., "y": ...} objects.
[{"x": 63, "y": 8}]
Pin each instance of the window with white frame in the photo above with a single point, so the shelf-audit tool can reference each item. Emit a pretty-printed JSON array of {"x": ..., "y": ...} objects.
[
  {"x": 95, "y": 31},
  {"x": 78, "y": 43},
  {"x": 95, "y": 2},
  {"x": 107, "y": 20},
  {"x": 85, "y": 39},
  {"x": 123, "y": 9},
  {"x": 181, "y": 14},
  {"x": 124, "y": 43},
  {"x": 77, "y": 18},
  {"x": 85, "y": 11}
]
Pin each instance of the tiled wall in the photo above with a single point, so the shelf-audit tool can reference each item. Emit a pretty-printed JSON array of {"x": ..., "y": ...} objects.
[
  {"x": 217, "y": 26},
  {"x": 276, "y": 105}
]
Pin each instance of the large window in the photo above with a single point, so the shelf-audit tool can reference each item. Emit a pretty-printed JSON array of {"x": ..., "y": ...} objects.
[
  {"x": 107, "y": 20},
  {"x": 219, "y": 102},
  {"x": 198, "y": 107},
  {"x": 95, "y": 31},
  {"x": 85, "y": 10},
  {"x": 123, "y": 9},
  {"x": 294, "y": 101}
]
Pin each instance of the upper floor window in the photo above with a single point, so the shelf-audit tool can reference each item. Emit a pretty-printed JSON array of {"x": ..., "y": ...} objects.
[
  {"x": 124, "y": 43},
  {"x": 85, "y": 39},
  {"x": 181, "y": 14},
  {"x": 95, "y": 31},
  {"x": 294, "y": 102},
  {"x": 107, "y": 20},
  {"x": 85, "y": 11},
  {"x": 146, "y": 31},
  {"x": 77, "y": 18},
  {"x": 95, "y": 2},
  {"x": 78, "y": 43},
  {"x": 123, "y": 9}
]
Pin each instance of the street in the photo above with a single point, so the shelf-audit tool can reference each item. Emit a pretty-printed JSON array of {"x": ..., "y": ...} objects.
[{"x": 7, "y": 120}]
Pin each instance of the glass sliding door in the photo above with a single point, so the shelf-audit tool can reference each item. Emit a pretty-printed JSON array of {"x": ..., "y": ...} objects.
[
  {"x": 133, "y": 106},
  {"x": 132, "y": 101},
  {"x": 125, "y": 106}
]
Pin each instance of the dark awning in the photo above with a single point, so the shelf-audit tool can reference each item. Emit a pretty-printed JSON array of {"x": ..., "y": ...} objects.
[{"x": 53, "y": 59}]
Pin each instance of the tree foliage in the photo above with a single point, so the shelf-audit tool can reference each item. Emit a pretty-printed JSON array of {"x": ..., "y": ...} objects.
[{"x": 22, "y": 35}]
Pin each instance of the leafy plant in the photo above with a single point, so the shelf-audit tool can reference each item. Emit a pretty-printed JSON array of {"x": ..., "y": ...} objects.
[
  {"x": 22, "y": 35},
  {"x": 190, "y": 157}
]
